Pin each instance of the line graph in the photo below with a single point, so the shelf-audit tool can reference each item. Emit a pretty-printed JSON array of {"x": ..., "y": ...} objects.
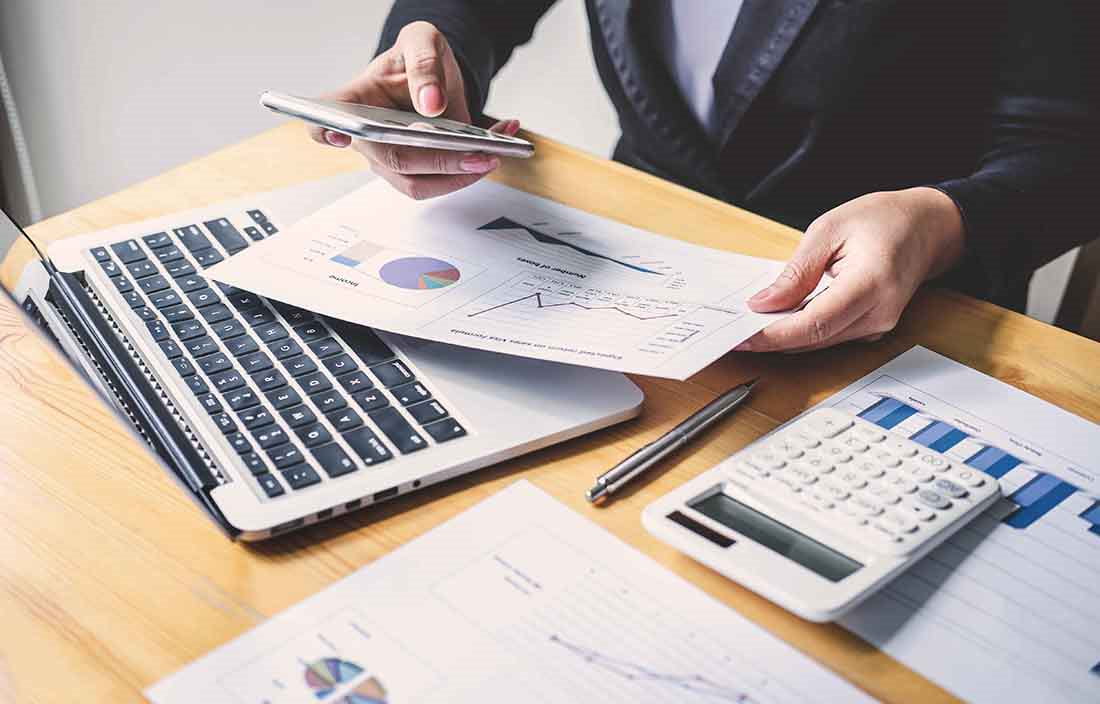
[
  {"x": 504, "y": 223},
  {"x": 537, "y": 297},
  {"x": 694, "y": 683}
]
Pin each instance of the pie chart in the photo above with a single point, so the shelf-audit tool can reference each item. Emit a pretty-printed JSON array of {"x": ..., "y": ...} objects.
[
  {"x": 369, "y": 691},
  {"x": 324, "y": 676},
  {"x": 419, "y": 273}
]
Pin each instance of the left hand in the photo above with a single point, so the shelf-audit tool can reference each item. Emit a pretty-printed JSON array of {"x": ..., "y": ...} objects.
[{"x": 878, "y": 248}]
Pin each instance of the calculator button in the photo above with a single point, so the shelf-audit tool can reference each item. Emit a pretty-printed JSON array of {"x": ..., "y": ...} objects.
[
  {"x": 934, "y": 462},
  {"x": 854, "y": 444},
  {"x": 865, "y": 506},
  {"x": 818, "y": 464},
  {"x": 767, "y": 460},
  {"x": 950, "y": 488},
  {"x": 788, "y": 449},
  {"x": 837, "y": 454},
  {"x": 802, "y": 475},
  {"x": 852, "y": 479},
  {"x": 870, "y": 469},
  {"x": 887, "y": 532},
  {"x": 750, "y": 471},
  {"x": 881, "y": 493},
  {"x": 917, "y": 511},
  {"x": 829, "y": 422},
  {"x": 901, "y": 448},
  {"x": 817, "y": 501},
  {"x": 789, "y": 483},
  {"x": 898, "y": 522},
  {"x": 900, "y": 484},
  {"x": 917, "y": 473},
  {"x": 886, "y": 459},
  {"x": 834, "y": 492},
  {"x": 852, "y": 514},
  {"x": 969, "y": 477},
  {"x": 870, "y": 434},
  {"x": 807, "y": 441}
]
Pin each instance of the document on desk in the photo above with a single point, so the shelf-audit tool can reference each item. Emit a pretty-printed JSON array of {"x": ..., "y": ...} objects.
[
  {"x": 502, "y": 270},
  {"x": 518, "y": 599},
  {"x": 1007, "y": 609}
]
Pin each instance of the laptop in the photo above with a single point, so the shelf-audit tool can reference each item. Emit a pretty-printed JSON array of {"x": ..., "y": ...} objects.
[{"x": 274, "y": 418}]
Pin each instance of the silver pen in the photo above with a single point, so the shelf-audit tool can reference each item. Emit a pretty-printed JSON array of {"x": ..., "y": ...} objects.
[{"x": 614, "y": 479}]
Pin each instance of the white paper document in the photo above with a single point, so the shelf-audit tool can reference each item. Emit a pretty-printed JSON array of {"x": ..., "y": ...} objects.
[
  {"x": 517, "y": 600},
  {"x": 499, "y": 269},
  {"x": 1007, "y": 609}
]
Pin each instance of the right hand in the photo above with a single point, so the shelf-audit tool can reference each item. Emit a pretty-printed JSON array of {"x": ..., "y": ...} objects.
[{"x": 418, "y": 72}]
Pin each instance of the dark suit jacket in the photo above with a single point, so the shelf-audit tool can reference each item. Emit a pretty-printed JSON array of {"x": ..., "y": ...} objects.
[{"x": 821, "y": 101}]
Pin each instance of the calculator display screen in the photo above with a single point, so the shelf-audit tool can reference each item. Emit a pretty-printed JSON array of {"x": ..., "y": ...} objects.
[{"x": 776, "y": 536}]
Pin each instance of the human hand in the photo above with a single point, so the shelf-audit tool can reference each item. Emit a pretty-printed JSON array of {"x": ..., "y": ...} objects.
[
  {"x": 418, "y": 72},
  {"x": 878, "y": 248}
]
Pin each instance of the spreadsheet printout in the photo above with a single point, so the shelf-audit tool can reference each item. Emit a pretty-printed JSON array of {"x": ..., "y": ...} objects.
[
  {"x": 518, "y": 599},
  {"x": 1007, "y": 609},
  {"x": 498, "y": 269}
]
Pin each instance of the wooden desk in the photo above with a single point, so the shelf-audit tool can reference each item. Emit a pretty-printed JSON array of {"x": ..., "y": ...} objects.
[{"x": 110, "y": 579}]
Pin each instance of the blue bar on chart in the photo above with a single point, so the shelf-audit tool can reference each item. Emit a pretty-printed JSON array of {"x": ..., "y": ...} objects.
[
  {"x": 888, "y": 412},
  {"x": 993, "y": 461},
  {"x": 1092, "y": 515},
  {"x": 939, "y": 436},
  {"x": 1037, "y": 498},
  {"x": 346, "y": 261}
]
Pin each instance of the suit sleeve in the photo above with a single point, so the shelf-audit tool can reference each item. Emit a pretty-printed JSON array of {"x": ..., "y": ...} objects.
[
  {"x": 1033, "y": 194},
  {"x": 482, "y": 34}
]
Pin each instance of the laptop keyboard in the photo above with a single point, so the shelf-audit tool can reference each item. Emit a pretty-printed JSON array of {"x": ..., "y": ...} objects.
[{"x": 301, "y": 399}]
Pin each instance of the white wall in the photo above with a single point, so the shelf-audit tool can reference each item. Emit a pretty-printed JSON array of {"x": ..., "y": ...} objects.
[{"x": 115, "y": 91}]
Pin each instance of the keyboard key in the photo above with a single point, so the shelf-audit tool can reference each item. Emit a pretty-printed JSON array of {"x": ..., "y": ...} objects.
[
  {"x": 271, "y": 436},
  {"x": 334, "y": 460},
  {"x": 188, "y": 329},
  {"x": 133, "y": 299},
  {"x": 203, "y": 297},
  {"x": 170, "y": 349},
  {"x": 340, "y": 364},
  {"x": 257, "y": 216},
  {"x": 242, "y": 300},
  {"x": 258, "y": 315},
  {"x": 183, "y": 366},
  {"x": 285, "y": 455},
  {"x": 285, "y": 349},
  {"x": 225, "y": 423},
  {"x": 141, "y": 269},
  {"x": 146, "y": 313},
  {"x": 392, "y": 373},
  {"x": 270, "y": 485},
  {"x": 129, "y": 251},
  {"x": 215, "y": 363},
  {"x": 269, "y": 228},
  {"x": 239, "y": 443},
  {"x": 367, "y": 445},
  {"x": 254, "y": 463},
  {"x": 255, "y": 362},
  {"x": 165, "y": 299},
  {"x": 227, "y": 381},
  {"x": 444, "y": 430},
  {"x": 272, "y": 332},
  {"x": 226, "y": 235},
  {"x": 313, "y": 435},
  {"x": 357, "y": 381},
  {"x": 254, "y": 232},
  {"x": 298, "y": 416},
  {"x": 229, "y": 329},
  {"x": 157, "y": 240},
  {"x": 427, "y": 412},
  {"x": 314, "y": 383},
  {"x": 197, "y": 384},
  {"x": 241, "y": 399},
  {"x": 329, "y": 401},
  {"x": 325, "y": 347},
  {"x": 152, "y": 284},
  {"x": 371, "y": 400},
  {"x": 299, "y": 366},
  {"x": 283, "y": 398},
  {"x": 216, "y": 313},
  {"x": 398, "y": 430},
  {"x": 208, "y": 258},
  {"x": 157, "y": 330},
  {"x": 192, "y": 238},
  {"x": 179, "y": 268},
  {"x": 122, "y": 284},
  {"x": 100, "y": 253},
  {"x": 169, "y": 255},
  {"x": 271, "y": 379},
  {"x": 111, "y": 268},
  {"x": 311, "y": 332},
  {"x": 344, "y": 420},
  {"x": 201, "y": 346},
  {"x": 408, "y": 394},
  {"x": 241, "y": 346},
  {"x": 176, "y": 314},
  {"x": 292, "y": 314},
  {"x": 363, "y": 342},
  {"x": 192, "y": 283},
  {"x": 300, "y": 476},
  {"x": 256, "y": 417},
  {"x": 211, "y": 403}
]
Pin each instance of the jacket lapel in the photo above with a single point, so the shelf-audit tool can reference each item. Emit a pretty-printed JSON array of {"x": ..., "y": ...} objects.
[{"x": 764, "y": 32}]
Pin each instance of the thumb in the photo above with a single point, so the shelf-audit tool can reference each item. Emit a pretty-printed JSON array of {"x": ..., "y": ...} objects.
[
  {"x": 798, "y": 278},
  {"x": 423, "y": 49}
]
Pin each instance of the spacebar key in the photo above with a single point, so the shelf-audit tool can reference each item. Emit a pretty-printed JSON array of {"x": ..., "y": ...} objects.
[{"x": 398, "y": 430}]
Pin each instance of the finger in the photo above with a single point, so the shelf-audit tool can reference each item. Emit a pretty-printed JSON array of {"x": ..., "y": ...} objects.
[
  {"x": 822, "y": 320},
  {"x": 413, "y": 161},
  {"x": 425, "y": 187},
  {"x": 423, "y": 49},
  {"x": 506, "y": 127},
  {"x": 801, "y": 275},
  {"x": 859, "y": 331}
]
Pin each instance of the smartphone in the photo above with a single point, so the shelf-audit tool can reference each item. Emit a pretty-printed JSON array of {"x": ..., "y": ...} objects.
[{"x": 396, "y": 126}]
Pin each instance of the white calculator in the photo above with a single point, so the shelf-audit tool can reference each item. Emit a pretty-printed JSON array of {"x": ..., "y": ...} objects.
[{"x": 821, "y": 513}]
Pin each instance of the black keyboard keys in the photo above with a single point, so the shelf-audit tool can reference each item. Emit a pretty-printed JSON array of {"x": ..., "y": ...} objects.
[
  {"x": 444, "y": 430},
  {"x": 183, "y": 366},
  {"x": 211, "y": 403},
  {"x": 334, "y": 460},
  {"x": 216, "y": 313},
  {"x": 208, "y": 258},
  {"x": 330, "y": 400},
  {"x": 427, "y": 412},
  {"x": 170, "y": 349},
  {"x": 371, "y": 400},
  {"x": 257, "y": 316},
  {"x": 228, "y": 329},
  {"x": 271, "y": 332},
  {"x": 326, "y": 347},
  {"x": 241, "y": 345},
  {"x": 129, "y": 251},
  {"x": 133, "y": 299},
  {"x": 141, "y": 268},
  {"x": 271, "y": 379},
  {"x": 225, "y": 423},
  {"x": 398, "y": 430},
  {"x": 111, "y": 268},
  {"x": 363, "y": 342},
  {"x": 270, "y": 436},
  {"x": 226, "y": 234},
  {"x": 340, "y": 364},
  {"x": 196, "y": 384},
  {"x": 408, "y": 394},
  {"x": 214, "y": 363},
  {"x": 313, "y": 435},
  {"x": 392, "y": 373},
  {"x": 241, "y": 399},
  {"x": 203, "y": 297},
  {"x": 298, "y": 416},
  {"x": 270, "y": 485},
  {"x": 256, "y": 417},
  {"x": 310, "y": 332},
  {"x": 292, "y": 314},
  {"x": 100, "y": 253},
  {"x": 355, "y": 382},
  {"x": 254, "y": 232},
  {"x": 301, "y": 476},
  {"x": 242, "y": 300},
  {"x": 285, "y": 455},
  {"x": 167, "y": 255},
  {"x": 188, "y": 329},
  {"x": 165, "y": 299},
  {"x": 157, "y": 240},
  {"x": 299, "y": 366},
  {"x": 179, "y": 268},
  {"x": 283, "y": 398},
  {"x": 192, "y": 238},
  {"x": 176, "y": 314},
  {"x": 344, "y": 420},
  {"x": 314, "y": 383},
  {"x": 367, "y": 445},
  {"x": 254, "y": 463},
  {"x": 285, "y": 349},
  {"x": 152, "y": 284},
  {"x": 122, "y": 284},
  {"x": 201, "y": 346},
  {"x": 157, "y": 330},
  {"x": 227, "y": 381},
  {"x": 255, "y": 362}
]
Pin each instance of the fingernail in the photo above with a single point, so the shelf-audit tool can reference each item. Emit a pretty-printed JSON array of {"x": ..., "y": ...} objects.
[
  {"x": 337, "y": 139},
  {"x": 761, "y": 295},
  {"x": 511, "y": 127},
  {"x": 430, "y": 99},
  {"x": 478, "y": 163}
]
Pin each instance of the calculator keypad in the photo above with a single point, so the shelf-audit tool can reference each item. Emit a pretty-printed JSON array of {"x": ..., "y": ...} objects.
[{"x": 876, "y": 487}]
